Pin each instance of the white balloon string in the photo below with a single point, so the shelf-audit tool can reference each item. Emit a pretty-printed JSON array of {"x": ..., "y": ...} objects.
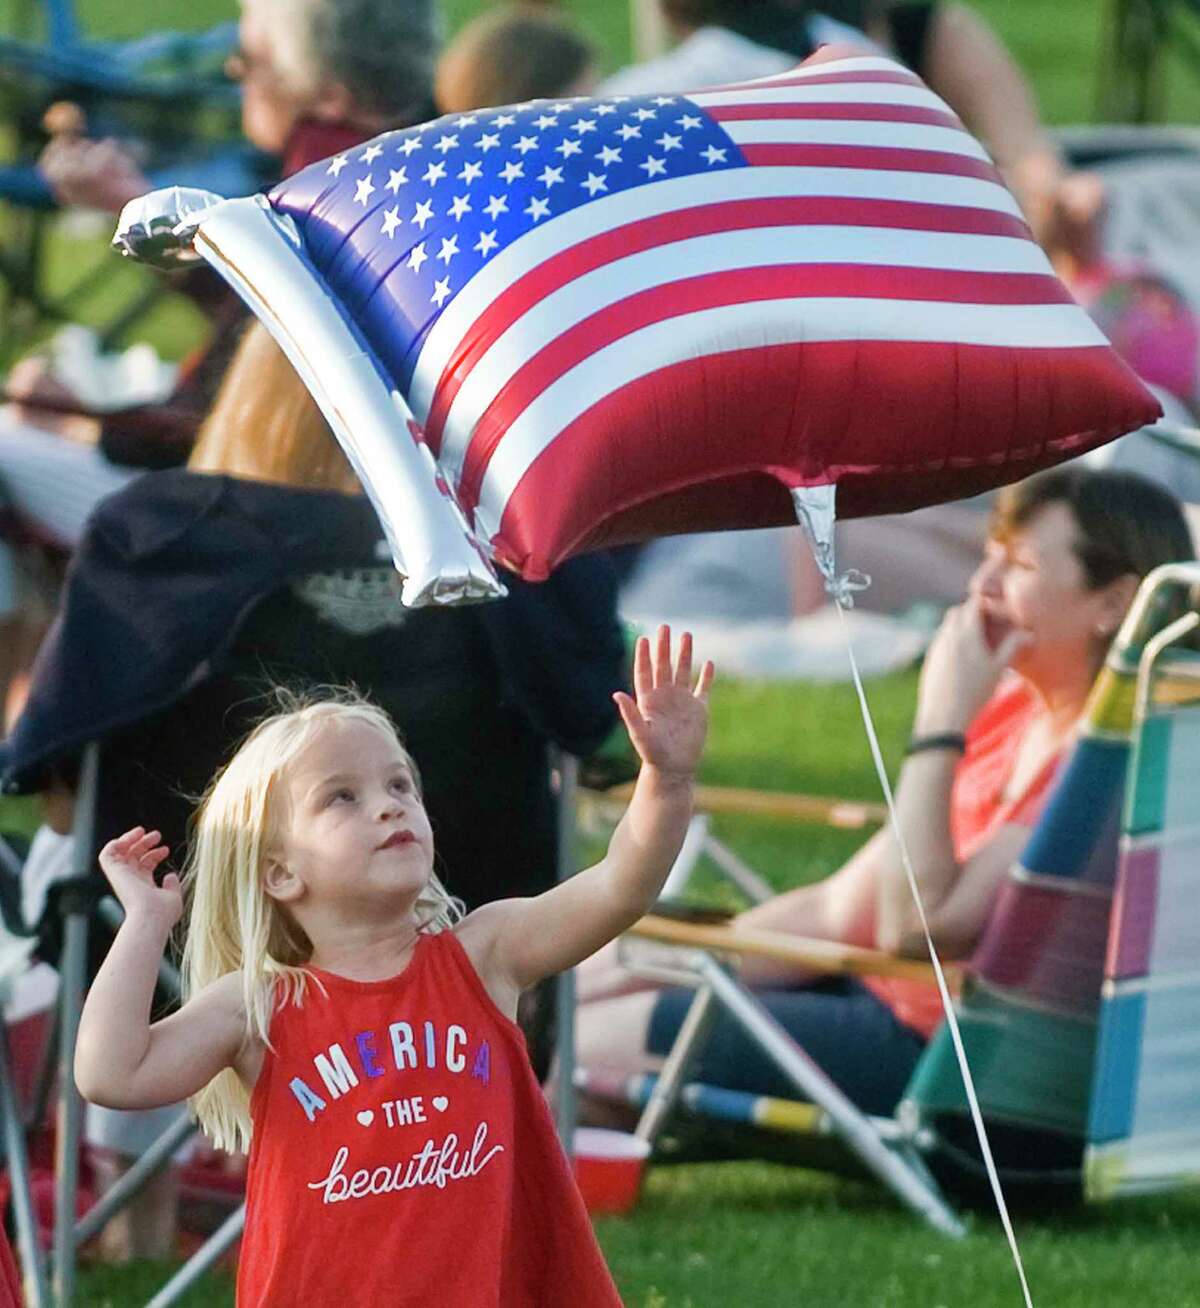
[{"x": 943, "y": 989}]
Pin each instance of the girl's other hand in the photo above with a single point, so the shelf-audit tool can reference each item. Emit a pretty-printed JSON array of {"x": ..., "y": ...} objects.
[
  {"x": 667, "y": 719},
  {"x": 962, "y": 668},
  {"x": 129, "y": 863}
]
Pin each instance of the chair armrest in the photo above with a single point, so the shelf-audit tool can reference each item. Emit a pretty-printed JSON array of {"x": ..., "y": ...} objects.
[
  {"x": 817, "y": 955},
  {"x": 851, "y": 814}
]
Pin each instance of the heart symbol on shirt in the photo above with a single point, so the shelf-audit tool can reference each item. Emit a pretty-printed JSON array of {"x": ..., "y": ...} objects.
[
  {"x": 441, "y": 1103},
  {"x": 366, "y": 1117}
]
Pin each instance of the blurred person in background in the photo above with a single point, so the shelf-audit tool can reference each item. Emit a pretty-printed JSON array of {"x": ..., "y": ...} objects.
[
  {"x": 512, "y": 53},
  {"x": 318, "y": 77}
]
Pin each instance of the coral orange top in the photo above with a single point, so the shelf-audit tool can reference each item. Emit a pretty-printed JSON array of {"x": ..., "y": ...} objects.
[{"x": 978, "y": 809}]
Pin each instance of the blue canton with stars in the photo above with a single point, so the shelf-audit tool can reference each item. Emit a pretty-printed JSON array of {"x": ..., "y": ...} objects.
[{"x": 398, "y": 226}]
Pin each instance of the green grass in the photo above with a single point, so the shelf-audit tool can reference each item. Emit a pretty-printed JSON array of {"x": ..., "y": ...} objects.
[{"x": 753, "y": 1234}]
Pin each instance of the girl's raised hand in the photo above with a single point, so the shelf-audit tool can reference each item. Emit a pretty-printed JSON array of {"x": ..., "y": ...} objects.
[
  {"x": 667, "y": 719},
  {"x": 129, "y": 863}
]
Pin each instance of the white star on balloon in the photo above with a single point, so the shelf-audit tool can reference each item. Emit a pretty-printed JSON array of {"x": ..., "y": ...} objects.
[
  {"x": 488, "y": 141},
  {"x": 525, "y": 144},
  {"x": 512, "y": 170},
  {"x": 472, "y": 170},
  {"x": 567, "y": 148},
  {"x": 643, "y": 114},
  {"x": 410, "y": 145},
  {"x": 629, "y": 131},
  {"x": 504, "y": 120},
  {"x": 537, "y": 208},
  {"x": 669, "y": 142},
  {"x": 605, "y": 109},
  {"x": 460, "y": 206},
  {"x": 417, "y": 257},
  {"x": 371, "y": 153},
  {"x": 550, "y": 176},
  {"x": 336, "y": 164},
  {"x": 713, "y": 155},
  {"x": 441, "y": 291},
  {"x": 391, "y": 220},
  {"x": 363, "y": 190},
  {"x": 424, "y": 213},
  {"x": 434, "y": 173},
  {"x": 688, "y": 122},
  {"x": 487, "y": 242},
  {"x": 496, "y": 205},
  {"x": 609, "y": 155},
  {"x": 594, "y": 183},
  {"x": 449, "y": 249},
  {"x": 583, "y": 126},
  {"x": 546, "y": 120},
  {"x": 653, "y": 167},
  {"x": 446, "y": 143},
  {"x": 397, "y": 177}
]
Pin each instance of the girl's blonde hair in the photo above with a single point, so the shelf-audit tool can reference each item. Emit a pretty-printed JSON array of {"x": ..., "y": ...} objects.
[
  {"x": 265, "y": 426},
  {"x": 233, "y": 925}
]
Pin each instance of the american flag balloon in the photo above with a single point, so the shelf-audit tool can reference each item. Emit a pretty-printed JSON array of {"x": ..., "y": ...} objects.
[{"x": 616, "y": 318}]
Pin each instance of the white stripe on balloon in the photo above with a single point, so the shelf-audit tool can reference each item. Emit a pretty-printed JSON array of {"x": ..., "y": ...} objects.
[
  {"x": 829, "y": 131},
  {"x": 890, "y": 93}
]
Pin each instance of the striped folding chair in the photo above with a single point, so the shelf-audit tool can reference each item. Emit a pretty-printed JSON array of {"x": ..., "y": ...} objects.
[{"x": 1144, "y": 1125}]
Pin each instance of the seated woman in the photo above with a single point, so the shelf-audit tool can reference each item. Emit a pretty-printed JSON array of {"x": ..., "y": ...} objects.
[{"x": 1003, "y": 687}]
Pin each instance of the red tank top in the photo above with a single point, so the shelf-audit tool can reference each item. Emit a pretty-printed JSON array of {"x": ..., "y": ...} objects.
[{"x": 403, "y": 1154}]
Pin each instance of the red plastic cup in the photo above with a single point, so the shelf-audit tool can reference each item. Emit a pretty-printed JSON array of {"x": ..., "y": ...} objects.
[{"x": 608, "y": 1169}]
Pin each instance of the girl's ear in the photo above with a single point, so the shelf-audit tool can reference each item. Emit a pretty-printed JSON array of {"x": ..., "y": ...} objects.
[{"x": 280, "y": 882}]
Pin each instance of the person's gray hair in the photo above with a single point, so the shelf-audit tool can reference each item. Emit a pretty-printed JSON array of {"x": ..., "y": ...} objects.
[{"x": 381, "y": 51}]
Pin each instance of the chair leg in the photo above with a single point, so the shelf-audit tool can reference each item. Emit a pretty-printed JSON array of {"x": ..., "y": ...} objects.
[
  {"x": 204, "y": 1258},
  {"x": 671, "y": 1080},
  {"x": 690, "y": 853},
  {"x": 33, "y": 1267},
  {"x": 913, "y": 1186},
  {"x": 72, "y": 981},
  {"x": 75, "y": 904}
]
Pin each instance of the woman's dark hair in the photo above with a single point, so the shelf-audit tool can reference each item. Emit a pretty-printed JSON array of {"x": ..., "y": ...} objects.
[
  {"x": 1126, "y": 523},
  {"x": 775, "y": 23}
]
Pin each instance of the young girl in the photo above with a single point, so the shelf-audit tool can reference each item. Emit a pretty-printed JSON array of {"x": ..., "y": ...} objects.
[{"x": 341, "y": 1020}]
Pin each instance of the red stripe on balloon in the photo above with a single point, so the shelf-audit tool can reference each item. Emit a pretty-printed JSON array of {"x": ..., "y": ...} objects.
[
  {"x": 588, "y": 488},
  {"x": 706, "y": 220},
  {"x": 718, "y": 291},
  {"x": 874, "y": 157}
]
